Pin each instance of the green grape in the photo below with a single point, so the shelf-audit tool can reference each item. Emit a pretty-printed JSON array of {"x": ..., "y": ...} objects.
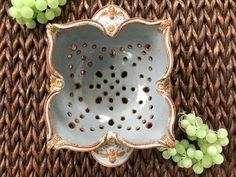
[
  {"x": 20, "y": 21},
  {"x": 165, "y": 155},
  {"x": 41, "y": 5},
  {"x": 49, "y": 14},
  {"x": 29, "y": 3},
  {"x": 161, "y": 149},
  {"x": 172, "y": 151},
  {"x": 57, "y": 11},
  {"x": 211, "y": 137},
  {"x": 211, "y": 151},
  {"x": 204, "y": 126},
  {"x": 192, "y": 146},
  {"x": 176, "y": 142},
  {"x": 30, "y": 24},
  {"x": 17, "y": 3},
  {"x": 41, "y": 18},
  {"x": 224, "y": 141},
  {"x": 199, "y": 120},
  {"x": 185, "y": 143},
  {"x": 14, "y": 12},
  {"x": 180, "y": 148},
  {"x": 218, "y": 159},
  {"x": 191, "y": 118},
  {"x": 201, "y": 133},
  {"x": 198, "y": 155},
  {"x": 206, "y": 161},
  {"x": 218, "y": 147},
  {"x": 53, "y": 3},
  {"x": 62, "y": 2},
  {"x": 176, "y": 158},
  {"x": 180, "y": 164},
  {"x": 197, "y": 168},
  {"x": 187, "y": 162},
  {"x": 204, "y": 147},
  {"x": 27, "y": 12},
  {"x": 184, "y": 123},
  {"x": 190, "y": 152},
  {"x": 191, "y": 130},
  {"x": 192, "y": 138},
  {"x": 222, "y": 133}
]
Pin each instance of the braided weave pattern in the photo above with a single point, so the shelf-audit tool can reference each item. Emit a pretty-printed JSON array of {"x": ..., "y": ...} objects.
[{"x": 204, "y": 80}]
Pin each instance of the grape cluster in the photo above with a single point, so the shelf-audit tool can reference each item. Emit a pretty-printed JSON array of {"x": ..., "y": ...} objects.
[
  {"x": 208, "y": 152},
  {"x": 27, "y": 11}
]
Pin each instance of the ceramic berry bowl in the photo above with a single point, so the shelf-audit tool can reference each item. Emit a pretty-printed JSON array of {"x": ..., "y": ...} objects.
[{"x": 109, "y": 86}]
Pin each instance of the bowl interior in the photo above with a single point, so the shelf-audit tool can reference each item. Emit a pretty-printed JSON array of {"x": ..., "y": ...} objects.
[{"x": 110, "y": 84}]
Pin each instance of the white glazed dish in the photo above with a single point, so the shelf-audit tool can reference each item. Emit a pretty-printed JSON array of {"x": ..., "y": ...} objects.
[{"x": 109, "y": 86}]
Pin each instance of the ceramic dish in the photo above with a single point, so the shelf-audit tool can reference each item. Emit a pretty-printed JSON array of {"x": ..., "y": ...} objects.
[{"x": 109, "y": 86}]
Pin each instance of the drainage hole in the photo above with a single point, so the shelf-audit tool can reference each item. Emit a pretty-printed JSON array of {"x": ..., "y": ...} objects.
[
  {"x": 134, "y": 64},
  {"x": 149, "y": 79},
  {"x": 77, "y": 121},
  {"x": 141, "y": 76},
  {"x": 149, "y": 125},
  {"x": 139, "y": 45},
  {"x": 91, "y": 86},
  {"x": 125, "y": 59},
  {"x": 90, "y": 64},
  {"x": 81, "y": 129},
  {"x": 69, "y": 56},
  {"x": 71, "y": 94},
  {"x": 144, "y": 52},
  {"x": 111, "y": 108},
  {"x": 122, "y": 118},
  {"x": 87, "y": 110},
  {"x": 137, "y": 128},
  {"x": 140, "y": 102},
  {"x": 124, "y": 100},
  {"x": 112, "y": 67},
  {"x": 151, "y": 116},
  {"x": 105, "y": 81},
  {"x": 83, "y": 57},
  {"x": 100, "y": 57},
  {"x": 130, "y": 46},
  {"x": 139, "y": 58},
  {"x": 123, "y": 88},
  {"x": 98, "y": 86},
  {"x": 117, "y": 93},
  {"x": 150, "y": 58},
  {"x": 111, "y": 122},
  {"x": 128, "y": 128},
  {"x": 71, "y": 66},
  {"x": 124, "y": 74},
  {"x": 151, "y": 106},
  {"x": 134, "y": 111},
  {"x": 113, "y": 75},
  {"x": 105, "y": 93},
  {"x": 82, "y": 72},
  {"x": 70, "y": 104},
  {"x": 97, "y": 117},
  {"x": 104, "y": 49},
  {"x": 99, "y": 74},
  {"x": 98, "y": 100},
  {"x": 72, "y": 75},
  {"x": 71, "y": 125},
  {"x": 147, "y": 46},
  {"x": 119, "y": 126},
  {"x": 101, "y": 127},
  {"x": 111, "y": 87},
  {"x": 122, "y": 49},
  {"x": 80, "y": 99},
  {"x": 132, "y": 89},
  {"x": 81, "y": 116},
  {"x": 84, "y": 45},
  {"x": 94, "y": 46},
  {"x": 78, "y": 52},
  {"x": 146, "y": 89},
  {"x": 144, "y": 121},
  {"x": 139, "y": 117},
  {"x": 149, "y": 98},
  {"x": 77, "y": 85},
  {"x": 117, "y": 81},
  {"x": 150, "y": 68},
  {"x": 111, "y": 100},
  {"x": 92, "y": 129}
]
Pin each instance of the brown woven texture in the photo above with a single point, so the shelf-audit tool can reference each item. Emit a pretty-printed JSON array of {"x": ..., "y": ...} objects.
[{"x": 204, "y": 80}]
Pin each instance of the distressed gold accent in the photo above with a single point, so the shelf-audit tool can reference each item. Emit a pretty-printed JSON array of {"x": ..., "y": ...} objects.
[
  {"x": 52, "y": 28},
  {"x": 168, "y": 141},
  {"x": 112, "y": 154},
  {"x": 55, "y": 83},
  {"x": 104, "y": 14},
  {"x": 163, "y": 85},
  {"x": 111, "y": 12},
  {"x": 164, "y": 24},
  {"x": 54, "y": 141},
  {"x": 111, "y": 28},
  {"x": 120, "y": 14}
]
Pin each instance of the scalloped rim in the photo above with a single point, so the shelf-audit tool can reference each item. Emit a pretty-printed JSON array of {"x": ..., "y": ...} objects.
[{"x": 53, "y": 30}]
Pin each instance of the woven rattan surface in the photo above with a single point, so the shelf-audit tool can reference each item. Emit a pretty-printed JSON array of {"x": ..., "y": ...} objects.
[{"x": 204, "y": 80}]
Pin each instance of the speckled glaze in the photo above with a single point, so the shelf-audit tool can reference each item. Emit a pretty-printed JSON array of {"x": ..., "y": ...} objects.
[{"x": 109, "y": 86}]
